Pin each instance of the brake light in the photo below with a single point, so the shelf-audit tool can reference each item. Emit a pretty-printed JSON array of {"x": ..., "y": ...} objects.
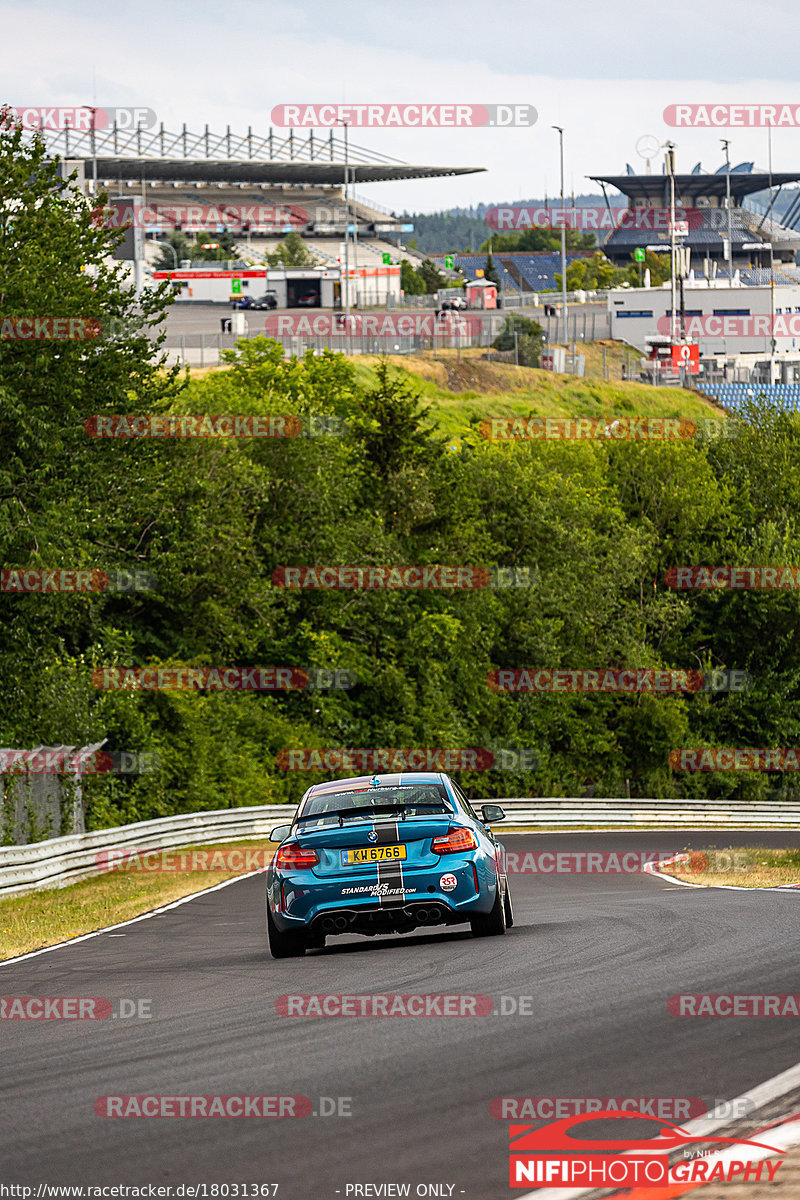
[
  {"x": 295, "y": 855},
  {"x": 454, "y": 841}
]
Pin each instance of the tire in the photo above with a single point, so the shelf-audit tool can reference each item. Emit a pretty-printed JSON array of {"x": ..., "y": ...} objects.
[
  {"x": 492, "y": 924},
  {"x": 284, "y": 945},
  {"x": 509, "y": 909}
]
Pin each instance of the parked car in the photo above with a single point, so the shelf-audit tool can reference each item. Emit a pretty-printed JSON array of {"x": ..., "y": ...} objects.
[
  {"x": 308, "y": 300},
  {"x": 268, "y": 300}
]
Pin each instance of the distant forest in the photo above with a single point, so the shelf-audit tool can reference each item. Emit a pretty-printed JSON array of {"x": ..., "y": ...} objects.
[{"x": 464, "y": 230}]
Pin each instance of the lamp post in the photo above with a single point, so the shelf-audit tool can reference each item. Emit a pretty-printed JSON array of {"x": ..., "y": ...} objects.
[
  {"x": 563, "y": 238},
  {"x": 726, "y": 144},
  {"x": 346, "y": 229},
  {"x": 93, "y": 111},
  {"x": 771, "y": 265},
  {"x": 670, "y": 163}
]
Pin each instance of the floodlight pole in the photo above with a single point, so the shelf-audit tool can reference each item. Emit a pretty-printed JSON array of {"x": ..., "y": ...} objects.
[
  {"x": 670, "y": 161},
  {"x": 771, "y": 265},
  {"x": 726, "y": 144},
  {"x": 560, "y": 131},
  {"x": 93, "y": 111},
  {"x": 346, "y": 231}
]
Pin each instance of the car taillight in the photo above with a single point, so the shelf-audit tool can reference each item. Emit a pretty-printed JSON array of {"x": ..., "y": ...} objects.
[
  {"x": 451, "y": 843},
  {"x": 295, "y": 855}
]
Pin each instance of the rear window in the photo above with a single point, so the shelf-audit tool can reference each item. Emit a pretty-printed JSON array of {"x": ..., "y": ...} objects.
[{"x": 363, "y": 802}]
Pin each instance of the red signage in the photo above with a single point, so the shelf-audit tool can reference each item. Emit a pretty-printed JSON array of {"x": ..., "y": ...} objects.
[{"x": 687, "y": 357}]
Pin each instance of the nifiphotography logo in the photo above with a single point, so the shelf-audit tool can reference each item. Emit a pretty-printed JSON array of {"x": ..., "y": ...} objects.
[{"x": 553, "y": 1156}]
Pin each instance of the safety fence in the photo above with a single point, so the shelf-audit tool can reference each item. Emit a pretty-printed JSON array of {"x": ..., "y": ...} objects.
[{"x": 64, "y": 860}]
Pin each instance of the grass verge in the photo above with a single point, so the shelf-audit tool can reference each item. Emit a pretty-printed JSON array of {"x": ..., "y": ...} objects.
[{"x": 740, "y": 866}]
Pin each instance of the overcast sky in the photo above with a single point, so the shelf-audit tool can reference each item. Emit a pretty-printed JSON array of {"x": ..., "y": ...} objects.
[{"x": 605, "y": 71}]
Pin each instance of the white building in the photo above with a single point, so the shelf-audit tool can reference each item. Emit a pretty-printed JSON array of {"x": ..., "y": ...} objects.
[
  {"x": 305, "y": 287},
  {"x": 725, "y": 321}
]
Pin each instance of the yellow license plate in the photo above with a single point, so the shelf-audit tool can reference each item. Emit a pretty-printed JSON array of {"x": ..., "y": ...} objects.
[{"x": 372, "y": 854}]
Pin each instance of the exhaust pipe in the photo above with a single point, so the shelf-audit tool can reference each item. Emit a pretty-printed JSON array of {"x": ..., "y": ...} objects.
[
  {"x": 434, "y": 915},
  {"x": 340, "y": 923},
  {"x": 328, "y": 924},
  {"x": 421, "y": 915}
]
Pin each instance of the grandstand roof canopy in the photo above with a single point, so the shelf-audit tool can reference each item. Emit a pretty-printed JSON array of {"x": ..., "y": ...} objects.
[
  {"x": 656, "y": 187},
  {"x": 192, "y": 156},
  {"x": 278, "y": 173}
]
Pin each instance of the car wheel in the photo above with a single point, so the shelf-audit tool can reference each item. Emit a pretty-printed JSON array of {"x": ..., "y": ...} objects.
[
  {"x": 508, "y": 908},
  {"x": 492, "y": 924},
  {"x": 284, "y": 945}
]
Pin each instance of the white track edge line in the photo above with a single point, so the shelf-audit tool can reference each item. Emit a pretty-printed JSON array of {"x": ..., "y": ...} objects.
[
  {"x": 760, "y": 1095},
  {"x": 154, "y": 912}
]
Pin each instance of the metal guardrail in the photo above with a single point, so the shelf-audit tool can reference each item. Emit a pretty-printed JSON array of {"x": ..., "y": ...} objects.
[{"x": 65, "y": 860}]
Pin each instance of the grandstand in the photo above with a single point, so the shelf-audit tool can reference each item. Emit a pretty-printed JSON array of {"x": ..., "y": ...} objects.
[
  {"x": 733, "y": 396},
  {"x": 519, "y": 271},
  {"x": 756, "y": 239},
  {"x": 261, "y": 187}
]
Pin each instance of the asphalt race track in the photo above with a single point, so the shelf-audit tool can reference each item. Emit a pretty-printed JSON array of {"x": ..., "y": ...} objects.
[{"x": 598, "y": 954}]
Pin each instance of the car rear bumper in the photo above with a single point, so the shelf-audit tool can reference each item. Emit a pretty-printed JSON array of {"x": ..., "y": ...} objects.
[{"x": 304, "y": 901}]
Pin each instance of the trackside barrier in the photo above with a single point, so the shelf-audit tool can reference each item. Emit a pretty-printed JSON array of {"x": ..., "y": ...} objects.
[{"x": 64, "y": 860}]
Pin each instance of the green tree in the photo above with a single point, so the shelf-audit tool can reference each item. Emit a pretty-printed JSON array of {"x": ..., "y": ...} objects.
[
  {"x": 490, "y": 271},
  {"x": 292, "y": 252},
  {"x": 528, "y": 342},
  {"x": 219, "y": 247},
  {"x": 533, "y": 240},
  {"x": 184, "y": 249},
  {"x": 591, "y": 274},
  {"x": 657, "y": 264}
]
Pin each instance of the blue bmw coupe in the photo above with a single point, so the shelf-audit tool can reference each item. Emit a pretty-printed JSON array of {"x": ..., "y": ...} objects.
[{"x": 385, "y": 854}]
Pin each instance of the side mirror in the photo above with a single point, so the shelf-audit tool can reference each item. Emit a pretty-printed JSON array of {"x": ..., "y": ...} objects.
[
  {"x": 491, "y": 813},
  {"x": 280, "y": 833}
]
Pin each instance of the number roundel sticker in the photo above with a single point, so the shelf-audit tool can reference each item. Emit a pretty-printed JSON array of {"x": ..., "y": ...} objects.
[{"x": 448, "y": 883}]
